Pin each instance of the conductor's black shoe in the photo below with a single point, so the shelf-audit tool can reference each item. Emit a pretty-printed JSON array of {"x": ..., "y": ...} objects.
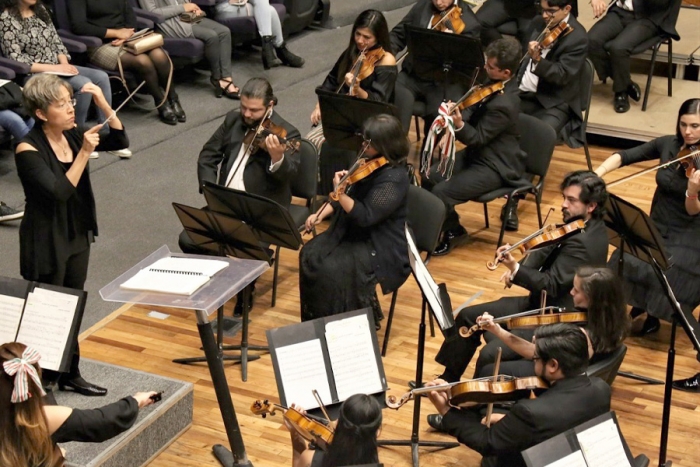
[
  {"x": 691, "y": 384},
  {"x": 622, "y": 103},
  {"x": 510, "y": 218},
  {"x": 634, "y": 91},
  {"x": 450, "y": 240},
  {"x": 79, "y": 385},
  {"x": 435, "y": 421}
]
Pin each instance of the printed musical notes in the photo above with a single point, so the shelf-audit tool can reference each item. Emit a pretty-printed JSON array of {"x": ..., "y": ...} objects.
[
  {"x": 302, "y": 369},
  {"x": 10, "y": 315}
]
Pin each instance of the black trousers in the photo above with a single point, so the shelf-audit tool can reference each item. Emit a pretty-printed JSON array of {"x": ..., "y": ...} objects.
[
  {"x": 512, "y": 363},
  {"x": 556, "y": 116},
  {"x": 71, "y": 271},
  {"x": 610, "y": 44},
  {"x": 456, "y": 352},
  {"x": 494, "y": 13},
  {"x": 468, "y": 181}
]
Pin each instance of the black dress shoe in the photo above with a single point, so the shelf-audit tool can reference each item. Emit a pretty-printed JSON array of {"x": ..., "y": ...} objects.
[
  {"x": 177, "y": 109},
  {"x": 435, "y": 422},
  {"x": 166, "y": 114},
  {"x": 650, "y": 326},
  {"x": 450, "y": 240},
  {"x": 691, "y": 384},
  {"x": 622, "y": 103},
  {"x": 79, "y": 385},
  {"x": 634, "y": 91},
  {"x": 412, "y": 384},
  {"x": 510, "y": 218}
]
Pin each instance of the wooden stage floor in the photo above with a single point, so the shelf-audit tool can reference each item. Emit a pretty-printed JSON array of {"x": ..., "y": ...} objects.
[{"x": 130, "y": 338}]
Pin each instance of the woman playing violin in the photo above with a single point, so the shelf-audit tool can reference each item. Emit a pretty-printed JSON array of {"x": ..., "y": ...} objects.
[
  {"x": 354, "y": 439},
  {"x": 674, "y": 210},
  {"x": 365, "y": 243}
]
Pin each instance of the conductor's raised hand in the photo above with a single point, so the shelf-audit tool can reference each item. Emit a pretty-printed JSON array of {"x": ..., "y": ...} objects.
[
  {"x": 97, "y": 95},
  {"x": 91, "y": 139}
]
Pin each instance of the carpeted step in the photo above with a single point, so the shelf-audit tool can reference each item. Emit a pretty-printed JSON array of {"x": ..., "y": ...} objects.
[{"x": 157, "y": 425}]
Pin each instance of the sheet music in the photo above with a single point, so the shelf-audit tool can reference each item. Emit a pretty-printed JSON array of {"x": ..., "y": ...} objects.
[
  {"x": 602, "y": 446},
  {"x": 179, "y": 276},
  {"x": 303, "y": 369},
  {"x": 46, "y": 324},
  {"x": 10, "y": 315},
  {"x": 575, "y": 459},
  {"x": 426, "y": 282},
  {"x": 353, "y": 360},
  {"x": 208, "y": 267}
]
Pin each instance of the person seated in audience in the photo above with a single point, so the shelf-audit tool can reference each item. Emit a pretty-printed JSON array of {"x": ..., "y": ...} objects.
[
  {"x": 370, "y": 33},
  {"x": 14, "y": 118},
  {"x": 27, "y": 35},
  {"x": 114, "y": 22},
  {"x": 409, "y": 87},
  {"x": 216, "y": 38},
  {"x": 269, "y": 27},
  {"x": 560, "y": 358},
  {"x": 30, "y": 429},
  {"x": 354, "y": 438},
  {"x": 492, "y": 158},
  {"x": 495, "y": 13},
  {"x": 627, "y": 24}
]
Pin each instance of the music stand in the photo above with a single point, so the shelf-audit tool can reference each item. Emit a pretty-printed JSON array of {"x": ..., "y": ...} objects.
[
  {"x": 224, "y": 236},
  {"x": 633, "y": 232},
  {"x": 450, "y": 58},
  {"x": 436, "y": 296},
  {"x": 342, "y": 117}
]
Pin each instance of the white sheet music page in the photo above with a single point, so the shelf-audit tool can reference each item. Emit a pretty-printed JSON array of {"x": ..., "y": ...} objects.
[
  {"x": 10, "y": 315},
  {"x": 353, "y": 360},
  {"x": 425, "y": 281},
  {"x": 46, "y": 324},
  {"x": 575, "y": 459},
  {"x": 602, "y": 446},
  {"x": 208, "y": 267},
  {"x": 302, "y": 369}
]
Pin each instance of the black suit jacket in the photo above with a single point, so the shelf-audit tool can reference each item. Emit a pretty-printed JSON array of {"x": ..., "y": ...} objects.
[
  {"x": 663, "y": 13},
  {"x": 559, "y": 71},
  {"x": 568, "y": 403},
  {"x": 553, "y": 268},
  {"x": 491, "y": 134},
  {"x": 419, "y": 17},
  {"x": 220, "y": 152}
]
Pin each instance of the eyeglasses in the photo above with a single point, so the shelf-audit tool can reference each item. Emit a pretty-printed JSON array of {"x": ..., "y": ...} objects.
[
  {"x": 550, "y": 11},
  {"x": 64, "y": 104}
]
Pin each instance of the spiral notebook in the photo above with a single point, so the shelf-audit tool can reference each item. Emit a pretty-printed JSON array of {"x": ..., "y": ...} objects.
[{"x": 179, "y": 276}]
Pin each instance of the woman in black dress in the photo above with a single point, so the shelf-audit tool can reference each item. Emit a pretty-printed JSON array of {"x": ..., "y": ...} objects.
[
  {"x": 674, "y": 210},
  {"x": 59, "y": 221},
  {"x": 365, "y": 243}
]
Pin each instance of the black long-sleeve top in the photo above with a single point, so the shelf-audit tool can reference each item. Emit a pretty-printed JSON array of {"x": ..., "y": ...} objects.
[
  {"x": 379, "y": 85},
  {"x": 98, "y": 425},
  {"x": 94, "y": 17}
]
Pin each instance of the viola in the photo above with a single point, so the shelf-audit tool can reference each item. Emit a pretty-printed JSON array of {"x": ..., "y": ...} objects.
[
  {"x": 481, "y": 390},
  {"x": 532, "y": 319},
  {"x": 363, "y": 168},
  {"x": 363, "y": 67},
  {"x": 256, "y": 137},
  {"x": 689, "y": 159},
  {"x": 450, "y": 18},
  {"x": 313, "y": 429},
  {"x": 548, "y": 235}
]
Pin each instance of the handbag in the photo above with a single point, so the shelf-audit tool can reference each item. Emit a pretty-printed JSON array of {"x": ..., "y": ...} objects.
[
  {"x": 149, "y": 41},
  {"x": 191, "y": 17}
]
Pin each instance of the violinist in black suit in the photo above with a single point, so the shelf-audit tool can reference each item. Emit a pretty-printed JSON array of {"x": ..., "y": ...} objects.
[
  {"x": 549, "y": 77},
  {"x": 551, "y": 269},
  {"x": 409, "y": 87},
  {"x": 561, "y": 359},
  {"x": 627, "y": 24}
]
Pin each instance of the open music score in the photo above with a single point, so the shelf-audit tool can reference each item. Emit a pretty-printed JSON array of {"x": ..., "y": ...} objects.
[{"x": 302, "y": 369}]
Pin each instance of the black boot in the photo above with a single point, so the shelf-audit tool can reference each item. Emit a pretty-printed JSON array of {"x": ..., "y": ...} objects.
[
  {"x": 174, "y": 101},
  {"x": 269, "y": 58},
  {"x": 288, "y": 58},
  {"x": 167, "y": 115}
]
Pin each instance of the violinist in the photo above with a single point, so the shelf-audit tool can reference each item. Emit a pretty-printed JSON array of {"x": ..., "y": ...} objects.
[
  {"x": 627, "y": 24},
  {"x": 354, "y": 439},
  {"x": 365, "y": 244},
  {"x": 371, "y": 76},
  {"x": 493, "y": 157},
  {"x": 675, "y": 211},
  {"x": 551, "y": 268},
  {"x": 409, "y": 87},
  {"x": 561, "y": 358}
]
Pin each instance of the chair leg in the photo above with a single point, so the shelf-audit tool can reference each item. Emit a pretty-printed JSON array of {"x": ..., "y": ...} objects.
[
  {"x": 486, "y": 214},
  {"x": 415, "y": 118},
  {"x": 274, "y": 277},
  {"x": 670, "y": 67},
  {"x": 387, "y": 331},
  {"x": 588, "y": 153},
  {"x": 651, "y": 73}
]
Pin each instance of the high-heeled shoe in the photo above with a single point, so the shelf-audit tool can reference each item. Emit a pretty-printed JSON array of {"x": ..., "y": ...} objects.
[
  {"x": 218, "y": 90},
  {"x": 79, "y": 385}
]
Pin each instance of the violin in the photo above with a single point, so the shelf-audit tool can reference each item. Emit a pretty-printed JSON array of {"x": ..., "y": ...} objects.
[
  {"x": 560, "y": 30},
  {"x": 479, "y": 94},
  {"x": 532, "y": 319},
  {"x": 363, "y": 67},
  {"x": 450, "y": 18},
  {"x": 361, "y": 169},
  {"x": 256, "y": 138},
  {"x": 481, "y": 390},
  {"x": 548, "y": 235},
  {"x": 312, "y": 429},
  {"x": 689, "y": 159}
]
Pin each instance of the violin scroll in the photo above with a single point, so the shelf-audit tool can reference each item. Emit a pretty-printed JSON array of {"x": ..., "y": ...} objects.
[{"x": 396, "y": 403}]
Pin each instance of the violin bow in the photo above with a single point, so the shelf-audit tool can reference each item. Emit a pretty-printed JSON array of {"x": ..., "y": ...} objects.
[
  {"x": 657, "y": 167},
  {"x": 322, "y": 406},
  {"x": 496, "y": 368},
  {"x": 444, "y": 15},
  {"x": 540, "y": 37}
]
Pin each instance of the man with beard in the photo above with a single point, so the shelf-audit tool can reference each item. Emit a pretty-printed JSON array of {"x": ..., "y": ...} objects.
[{"x": 551, "y": 269}]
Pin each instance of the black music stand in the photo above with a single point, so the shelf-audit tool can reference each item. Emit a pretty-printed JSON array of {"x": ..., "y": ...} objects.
[
  {"x": 224, "y": 236},
  {"x": 450, "y": 58},
  {"x": 633, "y": 232},
  {"x": 436, "y": 298},
  {"x": 343, "y": 116}
]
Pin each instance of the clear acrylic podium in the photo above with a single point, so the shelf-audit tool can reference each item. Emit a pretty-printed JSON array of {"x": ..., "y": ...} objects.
[{"x": 220, "y": 289}]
